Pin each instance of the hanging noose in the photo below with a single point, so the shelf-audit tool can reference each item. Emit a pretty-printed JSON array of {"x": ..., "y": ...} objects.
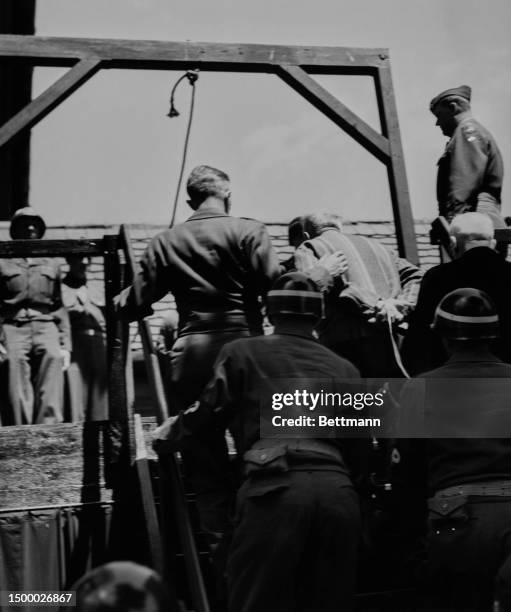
[{"x": 192, "y": 76}]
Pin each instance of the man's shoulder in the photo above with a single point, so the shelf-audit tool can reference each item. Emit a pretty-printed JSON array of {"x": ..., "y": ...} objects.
[
  {"x": 473, "y": 131},
  {"x": 440, "y": 271},
  {"x": 493, "y": 368}
]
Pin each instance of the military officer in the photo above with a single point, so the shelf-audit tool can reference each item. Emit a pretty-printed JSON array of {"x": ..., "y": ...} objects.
[
  {"x": 36, "y": 327},
  {"x": 470, "y": 171}
]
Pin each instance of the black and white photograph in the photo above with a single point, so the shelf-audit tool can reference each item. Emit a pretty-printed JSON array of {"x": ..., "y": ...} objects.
[{"x": 255, "y": 306}]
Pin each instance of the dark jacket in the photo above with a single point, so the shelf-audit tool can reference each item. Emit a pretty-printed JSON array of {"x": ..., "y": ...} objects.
[
  {"x": 247, "y": 372},
  {"x": 216, "y": 267},
  {"x": 481, "y": 268},
  {"x": 445, "y": 462}
]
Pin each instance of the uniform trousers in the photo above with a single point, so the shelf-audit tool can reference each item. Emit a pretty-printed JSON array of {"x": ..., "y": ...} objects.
[
  {"x": 87, "y": 377},
  {"x": 468, "y": 561},
  {"x": 295, "y": 544},
  {"x": 191, "y": 361},
  {"x": 35, "y": 375}
]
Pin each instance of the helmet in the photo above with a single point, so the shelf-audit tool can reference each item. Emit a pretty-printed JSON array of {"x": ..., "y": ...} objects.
[
  {"x": 121, "y": 585},
  {"x": 22, "y": 215},
  {"x": 295, "y": 294},
  {"x": 466, "y": 314}
]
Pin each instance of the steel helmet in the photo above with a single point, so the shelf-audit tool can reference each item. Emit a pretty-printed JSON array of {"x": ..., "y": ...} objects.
[
  {"x": 21, "y": 216},
  {"x": 295, "y": 294},
  {"x": 466, "y": 314}
]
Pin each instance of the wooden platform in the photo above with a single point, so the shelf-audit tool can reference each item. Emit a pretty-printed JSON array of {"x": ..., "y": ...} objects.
[{"x": 53, "y": 465}]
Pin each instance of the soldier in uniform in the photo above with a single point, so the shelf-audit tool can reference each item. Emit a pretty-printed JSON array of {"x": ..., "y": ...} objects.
[
  {"x": 217, "y": 267},
  {"x": 467, "y": 478},
  {"x": 36, "y": 327},
  {"x": 470, "y": 171},
  {"x": 297, "y": 529},
  {"x": 87, "y": 373}
]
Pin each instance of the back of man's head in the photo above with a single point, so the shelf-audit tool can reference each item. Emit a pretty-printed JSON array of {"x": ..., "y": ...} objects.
[
  {"x": 205, "y": 182},
  {"x": 294, "y": 298},
  {"x": 470, "y": 230},
  {"x": 317, "y": 223}
]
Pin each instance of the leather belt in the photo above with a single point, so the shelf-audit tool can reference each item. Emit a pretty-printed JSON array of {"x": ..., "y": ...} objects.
[{"x": 495, "y": 488}]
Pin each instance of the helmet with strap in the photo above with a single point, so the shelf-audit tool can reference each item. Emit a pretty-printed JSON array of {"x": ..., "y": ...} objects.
[{"x": 466, "y": 314}]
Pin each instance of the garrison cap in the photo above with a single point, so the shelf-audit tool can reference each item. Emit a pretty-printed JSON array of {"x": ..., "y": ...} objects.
[{"x": 463, "y": 91}]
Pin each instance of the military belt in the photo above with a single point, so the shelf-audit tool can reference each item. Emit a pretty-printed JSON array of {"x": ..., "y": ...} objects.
[{"x": 494, "y": 488}]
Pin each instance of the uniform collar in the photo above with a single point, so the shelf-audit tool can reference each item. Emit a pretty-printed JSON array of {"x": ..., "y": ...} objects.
[
  {"x": 479, "y": 251},
  {"x": 464, "y": 117},
  {"x": 206, "y": 212}
]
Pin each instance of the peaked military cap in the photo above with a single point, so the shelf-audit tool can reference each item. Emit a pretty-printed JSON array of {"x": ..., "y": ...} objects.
[{"x": 463, "y": 91}]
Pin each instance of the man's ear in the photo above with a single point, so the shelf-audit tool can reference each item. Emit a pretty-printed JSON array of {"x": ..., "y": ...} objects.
[
  {"x": 454, "y": 108},
  {"x": 227, "y": 203},
  {"x": 453, "y": 245},
  {"x": 493, "y": 243}
]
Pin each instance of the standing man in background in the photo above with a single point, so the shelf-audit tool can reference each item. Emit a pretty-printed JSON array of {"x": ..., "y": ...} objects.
[
  {"x": 87, "y": 373},
  {"x": 36, "y": 328},
  {"x": 470, "y": 172}
]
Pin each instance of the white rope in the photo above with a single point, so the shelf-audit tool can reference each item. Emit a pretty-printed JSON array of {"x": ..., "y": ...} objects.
[{"x": 395, "y": 348}]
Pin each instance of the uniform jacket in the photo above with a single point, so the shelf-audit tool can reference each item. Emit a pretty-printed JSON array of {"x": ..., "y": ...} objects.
[
  {"x": 234, "y": 397},
  {"x": 216, "y": 267},
  {"x": 481, "y": 268},
  {"x": 445, "y": 462},
  {"x": 30, "y": 289},
  {"x": 470, "y": 169},
  {"x": 85, "y": 305}
]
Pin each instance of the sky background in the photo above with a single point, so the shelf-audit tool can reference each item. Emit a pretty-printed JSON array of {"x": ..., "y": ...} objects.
[{"x": 109, "y": 154}]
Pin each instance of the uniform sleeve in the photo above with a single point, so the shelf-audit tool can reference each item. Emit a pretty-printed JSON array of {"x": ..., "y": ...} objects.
[
  {"x": 151, "y": 283},
  {"x": 262, "y": 257},
  {"x": 60, "y": 313},
  {"x": 410, "y": 277},
  {"x": 467, "y": 165},
  {"x": 222, "y": 392}
]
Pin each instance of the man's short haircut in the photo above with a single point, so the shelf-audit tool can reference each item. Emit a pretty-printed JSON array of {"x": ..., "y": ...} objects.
[
  {"x": 317, "y": 223},
  {"x": 463, "y": 103},
  {"x": 472, "y": 226},
  {"x": 295, "y": 231},
  {"x": 205, "y": 181}
]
